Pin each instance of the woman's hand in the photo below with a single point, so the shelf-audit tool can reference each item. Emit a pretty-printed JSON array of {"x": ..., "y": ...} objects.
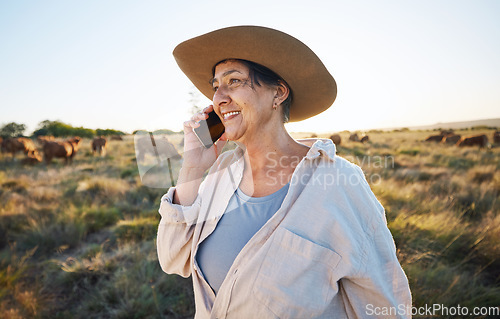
[
  {"x": 197, "y": 159},
  {"x": 196, "y": 156}
]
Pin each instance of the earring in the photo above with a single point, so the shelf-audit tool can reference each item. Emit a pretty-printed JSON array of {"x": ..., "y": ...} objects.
[{"x": 275, "y": 106}]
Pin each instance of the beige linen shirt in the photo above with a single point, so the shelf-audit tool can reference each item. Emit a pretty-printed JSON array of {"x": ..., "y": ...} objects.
[{"x": 326, "y": 253}]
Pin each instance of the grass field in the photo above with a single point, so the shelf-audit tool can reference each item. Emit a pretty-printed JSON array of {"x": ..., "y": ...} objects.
[{"x": 78, "y": 241}]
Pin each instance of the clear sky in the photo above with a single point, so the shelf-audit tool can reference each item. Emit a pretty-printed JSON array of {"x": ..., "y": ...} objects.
[{"x": 109, "y": 64}]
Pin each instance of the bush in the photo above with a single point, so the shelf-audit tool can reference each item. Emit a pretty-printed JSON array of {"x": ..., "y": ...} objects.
[
  {"x": 97, "y": 219},
  {"x": 139, "y": 229},
  {"x": 460, "y": 163}
]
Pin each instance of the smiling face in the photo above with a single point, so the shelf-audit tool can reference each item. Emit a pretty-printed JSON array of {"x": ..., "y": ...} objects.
[{"x": 246, "y": 109}]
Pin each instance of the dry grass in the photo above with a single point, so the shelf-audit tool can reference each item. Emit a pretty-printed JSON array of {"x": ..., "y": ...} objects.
[{"x": 77, "y": 241}]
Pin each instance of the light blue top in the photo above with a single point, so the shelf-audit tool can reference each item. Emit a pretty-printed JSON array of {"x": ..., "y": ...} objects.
[{"x": 244, "y": 216}]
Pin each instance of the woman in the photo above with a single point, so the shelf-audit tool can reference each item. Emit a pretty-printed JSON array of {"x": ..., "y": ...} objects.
[{"x": 278, "y": 228}]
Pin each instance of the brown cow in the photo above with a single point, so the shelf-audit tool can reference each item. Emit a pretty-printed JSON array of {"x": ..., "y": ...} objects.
[
  {"x": 99, "y": 145},
  {"x": 451, "y": 139},
  {"x": 32, "y": 159},
  {"x": 116, "y": 138},
  {"x": 354, "y": 137},
  {"x": 336, "y": 139},
  {"x": 496, "y": 137},
  {"x": 44, "y": 138},
  {"x": 446, "y": 132},
  {"x": 75, "y": 143},
  {"x": 364, "y": 139},
  {"x": 64, "y": 150},
  {"x": 435, "y": 138},
  {"x": 18, "y": 144},
  {"x": 443, "y": 134},
  {"x": 479, "y": 140}
]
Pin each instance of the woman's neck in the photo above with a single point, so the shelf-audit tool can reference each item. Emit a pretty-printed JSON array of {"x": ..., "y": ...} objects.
[
  {"x": 270, "y": 162},
  {"x": 273, "y": 150}
]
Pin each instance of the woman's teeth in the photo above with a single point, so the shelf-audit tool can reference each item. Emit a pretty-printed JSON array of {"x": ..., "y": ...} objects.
[{"x": 227, "y": 115}]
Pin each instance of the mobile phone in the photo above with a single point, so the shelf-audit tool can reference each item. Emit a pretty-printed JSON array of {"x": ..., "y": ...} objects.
[{"x": 210, "y": 130}]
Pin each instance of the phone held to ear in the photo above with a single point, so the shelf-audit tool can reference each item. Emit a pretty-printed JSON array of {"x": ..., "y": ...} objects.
[{"x": 210, "y": 130}]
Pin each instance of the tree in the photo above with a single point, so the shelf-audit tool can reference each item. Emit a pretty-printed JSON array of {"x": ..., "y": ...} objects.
[
  {"x": 59, "y": 129},
  {"x": 107, "y": 132},
  {"x": 54, "y": 128},
  {"x": 12, "y": 130}
]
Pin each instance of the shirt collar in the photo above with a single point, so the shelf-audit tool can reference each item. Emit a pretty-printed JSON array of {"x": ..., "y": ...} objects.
[{"x": 322, "y": 147}]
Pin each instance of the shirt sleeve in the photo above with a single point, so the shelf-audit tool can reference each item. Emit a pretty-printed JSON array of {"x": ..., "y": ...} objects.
[
  {"x": 175, "y": 234},
  {"x": 381, "y": 286},
  {"x": 178, "y": 222}
]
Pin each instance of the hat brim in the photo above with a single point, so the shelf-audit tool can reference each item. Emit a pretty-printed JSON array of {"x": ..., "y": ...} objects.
[{"x": 314, "y": 89}]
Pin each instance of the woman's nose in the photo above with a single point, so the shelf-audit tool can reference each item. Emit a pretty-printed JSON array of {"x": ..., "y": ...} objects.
[{"x": 221, "y": 97}]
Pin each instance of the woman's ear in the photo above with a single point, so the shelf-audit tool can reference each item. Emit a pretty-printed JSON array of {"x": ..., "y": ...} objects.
[{"x": 282, "y": 92}]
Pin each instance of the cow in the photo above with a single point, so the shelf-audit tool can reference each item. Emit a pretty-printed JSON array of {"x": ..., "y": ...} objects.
[
  {"x": 75, "y": 143},
  {"x": 479, "y": 140},
  {"x": 32, "y": 159},
  {"x": 496, "y": 137},
  {"x": 99, "y": 145},
  {"x": 364, "y": 139},
  {"x": 443, "y": 134},
  {"x": 446, "y": 132},
  {"x": 435, "y": 138},
  {"x": 44, "y": 138},
  {"x": 14, "y": 145},
  {"x": 354, "y": 137},
  {"x": 336, "y": 139},
  {"x": 66, "y": 150},
  {"x": 116, "y": 138},
  {"x": 452, "y": 139}
]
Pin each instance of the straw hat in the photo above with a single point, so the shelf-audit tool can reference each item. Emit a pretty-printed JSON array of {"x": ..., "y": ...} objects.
[{"x": 314, "y": 89}]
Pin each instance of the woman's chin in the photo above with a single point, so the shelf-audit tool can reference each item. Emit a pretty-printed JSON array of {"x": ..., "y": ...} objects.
[{"x": 232, "y": 135}]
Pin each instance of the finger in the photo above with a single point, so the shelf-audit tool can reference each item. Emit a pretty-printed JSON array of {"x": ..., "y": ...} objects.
[
  {"x": 191, "y": 124},
  {"x": 208, "y": 109},
  {"x": 199, "y": 116}
]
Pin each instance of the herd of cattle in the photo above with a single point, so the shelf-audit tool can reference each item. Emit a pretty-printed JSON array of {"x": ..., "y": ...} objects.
[
  {"x": 337, "y": 140},
  {"x": 50, "y": 148},
  {"x": 67, "y": 149},
  {"x": 449, "y": 137}
]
